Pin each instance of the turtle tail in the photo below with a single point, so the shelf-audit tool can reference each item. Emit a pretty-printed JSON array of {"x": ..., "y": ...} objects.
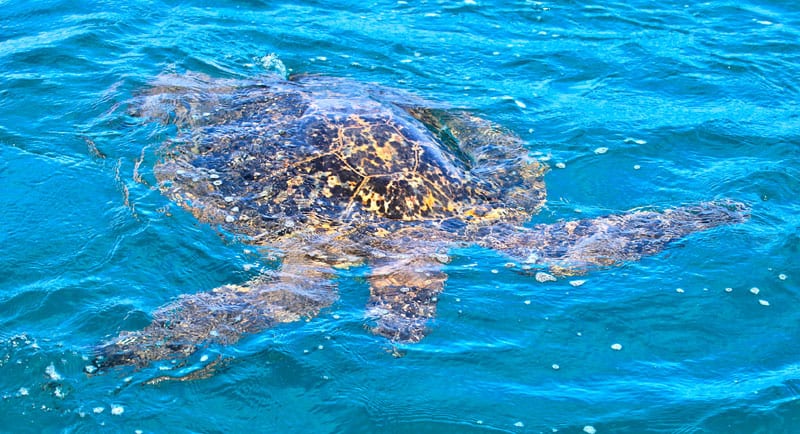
[{"x": 574, "y": 247}]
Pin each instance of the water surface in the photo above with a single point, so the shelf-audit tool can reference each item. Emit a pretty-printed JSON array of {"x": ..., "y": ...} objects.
[{"x": 693, "y": 101}]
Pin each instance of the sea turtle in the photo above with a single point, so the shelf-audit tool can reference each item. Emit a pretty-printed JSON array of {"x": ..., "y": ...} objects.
[{"x": 328, "y": 173}]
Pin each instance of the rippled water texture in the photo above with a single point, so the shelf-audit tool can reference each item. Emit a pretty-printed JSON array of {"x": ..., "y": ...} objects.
[{"x": 690, "y": 101}]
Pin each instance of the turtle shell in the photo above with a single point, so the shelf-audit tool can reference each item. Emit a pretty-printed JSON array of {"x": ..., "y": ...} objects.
[{"x": 273, "y": 156}]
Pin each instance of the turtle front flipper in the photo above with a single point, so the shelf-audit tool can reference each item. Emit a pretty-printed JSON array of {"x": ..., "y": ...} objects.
[
  {"x": 403, "y": 295},
  {"x": 573, "y": 247},
  {"x": 223, "y": 315}
]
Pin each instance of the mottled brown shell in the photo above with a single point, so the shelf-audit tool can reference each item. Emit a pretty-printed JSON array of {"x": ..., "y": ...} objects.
[{"x": 272, "y": 156}]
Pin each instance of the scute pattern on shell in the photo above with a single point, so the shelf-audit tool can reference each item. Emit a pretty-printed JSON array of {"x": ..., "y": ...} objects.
[{"x": 283, "y": 155}]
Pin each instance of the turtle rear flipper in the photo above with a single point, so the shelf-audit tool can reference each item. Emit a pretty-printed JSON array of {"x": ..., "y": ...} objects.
[
  {"x": 223, "y": 315},
  {"x": 575, "y": 247},
  {"x": 403, "y": 295}
]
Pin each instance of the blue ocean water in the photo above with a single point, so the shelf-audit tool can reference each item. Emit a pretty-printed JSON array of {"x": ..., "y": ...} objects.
[{"x": 691, "y": 101}]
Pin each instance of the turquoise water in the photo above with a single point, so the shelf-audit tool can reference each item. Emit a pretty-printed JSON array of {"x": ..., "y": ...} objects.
[{"x": 693, "y": 101}]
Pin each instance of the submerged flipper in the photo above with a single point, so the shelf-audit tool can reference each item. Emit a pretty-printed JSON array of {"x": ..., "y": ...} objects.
[
  {"x": 574, "y": 247},
  {"x": 403, "y": 295},
  {"x": 299, "y": 290}
]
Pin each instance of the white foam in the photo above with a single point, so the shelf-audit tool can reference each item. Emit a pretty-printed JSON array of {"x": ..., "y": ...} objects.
[
  {"x": 271, "y": 62},
  {"x": 51, "y": 372},
  {"x": 637, "y": 141}
]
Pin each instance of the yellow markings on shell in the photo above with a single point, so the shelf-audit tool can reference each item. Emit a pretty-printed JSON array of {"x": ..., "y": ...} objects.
[
  {"x": 486, "y": 215},
  {"x": 334, "y": 181},
  {"x": 495, "y": 214},
  {"x": 382, "y": 233},
  {"x": 385, "y": 152},
  {"x": 429, "y": 201},
  {"x": 372, "y": 201},
  {"x": 295, "y": 181}
]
